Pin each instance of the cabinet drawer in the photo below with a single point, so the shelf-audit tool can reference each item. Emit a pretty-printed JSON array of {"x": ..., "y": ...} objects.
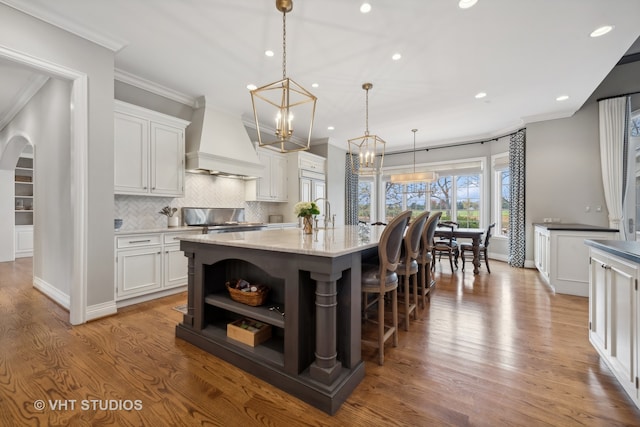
[
  {"x": 311, "y": 163},
  {"x": 174, "y": 238},
  {"x": 138, "y": 240}
]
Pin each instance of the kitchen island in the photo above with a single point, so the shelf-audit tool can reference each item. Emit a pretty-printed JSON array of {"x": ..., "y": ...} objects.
[{"x": 314, "y": 349}]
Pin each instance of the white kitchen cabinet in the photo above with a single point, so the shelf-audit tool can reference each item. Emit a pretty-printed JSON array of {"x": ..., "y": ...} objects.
[
  {"x": 150, "y": 264},
  {"x": 23, "y": 241},
  {"x": 307, "y": 181},
  {"x": 614, "y": 316},
  {"x": 271, "y": 185},
  {"x": 560, "y": 255},
  {"x": 149, "y": 152}
]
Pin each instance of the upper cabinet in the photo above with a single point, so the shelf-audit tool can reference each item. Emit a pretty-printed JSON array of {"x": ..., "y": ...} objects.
[
  {"x": 149, "y": 152},
  {"x": 271, "y": 185}
]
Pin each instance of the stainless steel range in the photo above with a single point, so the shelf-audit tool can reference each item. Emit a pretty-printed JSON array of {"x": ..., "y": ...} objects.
[{"x": 219, "y": 220}]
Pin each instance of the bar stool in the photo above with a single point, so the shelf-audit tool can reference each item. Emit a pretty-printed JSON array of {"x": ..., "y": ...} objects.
[
  {"x": 408, "y": 266},
  {"x": 378, "y": 280},
  {"x": 426, "y": 257}
]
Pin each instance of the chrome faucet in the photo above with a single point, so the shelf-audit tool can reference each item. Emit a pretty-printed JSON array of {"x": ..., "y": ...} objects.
[{"x": 327, "y": 210}]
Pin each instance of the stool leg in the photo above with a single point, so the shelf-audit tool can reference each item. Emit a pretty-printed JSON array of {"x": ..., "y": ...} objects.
[
  {"x": 406, "y": 302},
  {"x": 381, "y": 329},
  {"x": 415, "y": 295}
]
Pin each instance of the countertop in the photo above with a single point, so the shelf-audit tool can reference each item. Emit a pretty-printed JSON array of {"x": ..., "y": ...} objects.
[
  {"x": 558, "y": 226},
  {"x": 629, "y": 250},
  {"x": 124, "y": 232},
  {"x": 331, "y": 242}
]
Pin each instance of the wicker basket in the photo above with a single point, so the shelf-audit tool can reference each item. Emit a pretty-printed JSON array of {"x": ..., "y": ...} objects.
[{"x": 253, "y": 299}]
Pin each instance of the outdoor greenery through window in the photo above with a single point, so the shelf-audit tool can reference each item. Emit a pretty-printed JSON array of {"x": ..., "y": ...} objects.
[
  {"x": 505, "y": 202},
  {"x": 456, "y": 196},
  {"x": 365, "y": 201}
]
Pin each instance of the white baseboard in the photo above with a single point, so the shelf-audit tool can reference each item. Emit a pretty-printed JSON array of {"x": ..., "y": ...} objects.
[
  {"x": 149, "y": 297},
  {"x": 505, "y": 258},
  {"x": 103, "y": 309},
  {"x": 52, "y": 292}
]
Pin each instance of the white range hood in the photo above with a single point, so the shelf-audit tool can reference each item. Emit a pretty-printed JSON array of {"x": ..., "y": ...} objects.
[{"x": 218, "y": 143}]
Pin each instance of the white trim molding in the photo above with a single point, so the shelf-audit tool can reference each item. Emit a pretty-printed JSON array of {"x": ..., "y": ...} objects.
[
  {"x": 52, "y": 292},
  {"x": 104, "y": 309},
  {"x": 79, "y": 173},
  {"x": 149, "y": 86}
]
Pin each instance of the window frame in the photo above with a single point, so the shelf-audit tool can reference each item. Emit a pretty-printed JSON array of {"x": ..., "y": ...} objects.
[{"x": 498, "y": 165}]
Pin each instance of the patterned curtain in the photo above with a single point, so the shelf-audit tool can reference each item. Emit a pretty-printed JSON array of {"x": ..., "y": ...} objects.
[
  {"x": 351, "y": 193},
  {"x": 516, "y": 193}
]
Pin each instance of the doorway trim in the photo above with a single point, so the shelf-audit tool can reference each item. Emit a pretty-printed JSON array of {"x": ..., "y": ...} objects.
[{"x": 79, "y": 173}]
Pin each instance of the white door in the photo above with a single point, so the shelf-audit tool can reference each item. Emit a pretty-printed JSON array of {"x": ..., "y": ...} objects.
[
  {"x": 139, "y": 271},
  {"x": 175, "y": 267}
]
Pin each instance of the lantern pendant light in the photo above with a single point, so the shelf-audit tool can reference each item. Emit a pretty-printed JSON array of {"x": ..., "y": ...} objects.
[
  {"x": 366, "y": 151},
  {"x": 284, "y": 108}
]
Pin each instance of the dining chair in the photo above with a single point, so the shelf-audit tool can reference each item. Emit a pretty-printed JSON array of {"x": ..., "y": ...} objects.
[
  {"x": 447, "y": 245},
  {"x": 482, "y": 248},
  {"x": 408, "y": 266},
  {"x": 380, "y": 279},
  {"x": 425, "y": 258}
]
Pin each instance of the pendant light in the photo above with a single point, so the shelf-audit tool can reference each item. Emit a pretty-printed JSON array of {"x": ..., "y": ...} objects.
[
  {"x": 366, "y": 151},
  {"x": 406, "y": 178},
  {"x": 280, "y": 105}
]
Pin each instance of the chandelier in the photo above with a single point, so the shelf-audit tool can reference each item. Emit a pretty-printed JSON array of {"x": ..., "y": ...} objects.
[
  {"x": 283, "y": 103},
  {"x": 366, "y": 151},
  {"x": 405, "y": 178}
]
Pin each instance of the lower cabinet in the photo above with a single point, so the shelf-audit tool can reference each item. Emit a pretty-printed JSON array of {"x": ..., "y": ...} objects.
[
  {"x": 24, "y": 241},
  {"x": 614, "y": 316},
  {"x": 149, "y": 263}
]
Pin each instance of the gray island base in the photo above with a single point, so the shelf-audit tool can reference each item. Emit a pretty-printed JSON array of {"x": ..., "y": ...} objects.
[{"x": 314, "y": 350}]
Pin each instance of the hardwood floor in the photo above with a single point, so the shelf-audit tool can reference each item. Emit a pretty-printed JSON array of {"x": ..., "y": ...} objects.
[{"x": 491, "y": 350}]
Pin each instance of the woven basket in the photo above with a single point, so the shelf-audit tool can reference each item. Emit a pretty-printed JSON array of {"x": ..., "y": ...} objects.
[{"x": 253, "y": 299}]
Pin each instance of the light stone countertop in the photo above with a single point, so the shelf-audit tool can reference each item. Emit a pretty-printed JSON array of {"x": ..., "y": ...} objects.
[
  {"x": 329, "y": 243},
  {"x": 125, "y": 232}
]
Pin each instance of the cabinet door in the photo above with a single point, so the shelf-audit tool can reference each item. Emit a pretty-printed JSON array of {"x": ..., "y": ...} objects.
[
  {"x": 598, "y": 302},
  {"x": 139, "y": 271},
  {"x": 263, "y": 190},
  {"x": 131, "y": 151},
  {"x": 167, "y": 160},
  {"x": 279, "y": 178},
  {"x": 621, "y": 341},
  {"x": 305, "y": 190},
  {"x": 24, "y": 241},
  {"x": 175, "y": 267}
]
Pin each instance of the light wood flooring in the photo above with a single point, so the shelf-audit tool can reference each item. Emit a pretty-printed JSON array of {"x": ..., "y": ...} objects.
[{"x": 492, "y": 350}]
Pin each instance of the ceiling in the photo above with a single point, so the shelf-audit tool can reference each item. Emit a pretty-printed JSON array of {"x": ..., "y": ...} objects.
[{"x": 523, "y": 54}]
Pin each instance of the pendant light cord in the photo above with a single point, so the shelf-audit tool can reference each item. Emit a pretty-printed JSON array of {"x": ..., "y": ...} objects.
[
  {"x": 366, "y": 114},
  {"x": 284, "y": 45},
  {"x": 414, "y": 149}
]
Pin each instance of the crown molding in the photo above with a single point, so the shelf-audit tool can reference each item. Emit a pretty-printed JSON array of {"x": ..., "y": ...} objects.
[
  {"x": 149, "y": 86},
  {"x": 109, "y": 42}
]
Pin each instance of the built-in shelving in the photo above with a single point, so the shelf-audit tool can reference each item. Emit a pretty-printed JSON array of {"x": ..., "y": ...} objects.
[
  {"x": 261, "y": 313},
  {"x": 24, "y": 191}
]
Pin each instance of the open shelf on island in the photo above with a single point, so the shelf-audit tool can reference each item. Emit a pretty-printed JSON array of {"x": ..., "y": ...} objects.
[{"x": 261, "y": 313}]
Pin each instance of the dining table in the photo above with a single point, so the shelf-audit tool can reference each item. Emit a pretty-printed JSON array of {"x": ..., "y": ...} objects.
[{"x": 475, "y": 234}]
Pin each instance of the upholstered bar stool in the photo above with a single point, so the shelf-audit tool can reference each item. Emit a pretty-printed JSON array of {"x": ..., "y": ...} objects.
[
  {"x": 426, "y": 257},
  {"x": 378, "y": 280},
  {"x": 408, "y": 266}
]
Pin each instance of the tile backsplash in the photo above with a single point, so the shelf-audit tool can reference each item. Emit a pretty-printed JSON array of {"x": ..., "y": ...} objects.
[{"x": 141, "y": 212}]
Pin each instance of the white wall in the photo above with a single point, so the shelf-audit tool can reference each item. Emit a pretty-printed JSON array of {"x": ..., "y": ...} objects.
[{"x": 33, "y": 38}]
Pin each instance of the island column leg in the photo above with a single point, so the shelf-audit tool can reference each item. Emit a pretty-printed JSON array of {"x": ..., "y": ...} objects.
[{"x": 326, "y": 368}]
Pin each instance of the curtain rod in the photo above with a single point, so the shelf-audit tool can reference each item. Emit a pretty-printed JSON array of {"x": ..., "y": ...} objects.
[
  {"x": 459, "y": 144},
  {"x": 618, "y": 96}
]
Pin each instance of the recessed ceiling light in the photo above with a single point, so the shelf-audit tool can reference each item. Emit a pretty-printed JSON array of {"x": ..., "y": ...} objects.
[
  {"x": 314, "y": 85},
  {"x": 251, "y": 86},
  {"x": 396, "y": 56},
  {"x": 601, "y": 31},
  {"x": 365, "y": 7},
  {"x": 268, "y": 52},
  {"x": 480, "y": 95},
  {"x": 562, "y": 98},
  {"x": 330, "y": 128},
  {"x": 466, "y": 4}
]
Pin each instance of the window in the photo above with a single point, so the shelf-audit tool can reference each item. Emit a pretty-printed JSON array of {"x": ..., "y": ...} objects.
[
  {"x": 400, "y": 197},
  {"x": 501, "y": 193},
  {"x": 366, "y": 199},
  {"x": 456, "y": 196}
]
